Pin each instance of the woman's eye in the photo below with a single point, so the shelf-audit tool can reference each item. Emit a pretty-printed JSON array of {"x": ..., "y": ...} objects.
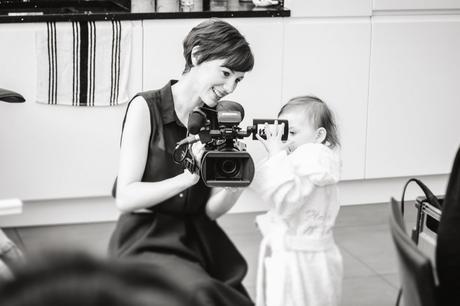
[
  {"x": 226, "y": 73},
  {"x": 292, "y": 133}
]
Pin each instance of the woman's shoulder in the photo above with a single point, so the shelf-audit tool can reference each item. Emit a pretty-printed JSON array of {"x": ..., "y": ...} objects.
[
  {"x": 149, "y": 94},
  {"x": 137, "y": 106}
]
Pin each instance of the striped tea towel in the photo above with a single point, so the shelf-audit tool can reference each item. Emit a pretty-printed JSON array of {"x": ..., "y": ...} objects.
[{"x": 84, "y": 63}]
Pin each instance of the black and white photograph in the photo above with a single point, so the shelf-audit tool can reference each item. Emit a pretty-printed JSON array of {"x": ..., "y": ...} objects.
[{"x": 229, "y": 152}]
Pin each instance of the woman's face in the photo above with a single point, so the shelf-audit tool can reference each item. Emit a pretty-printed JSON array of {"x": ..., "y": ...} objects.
[{"x": 214, "y": 81}]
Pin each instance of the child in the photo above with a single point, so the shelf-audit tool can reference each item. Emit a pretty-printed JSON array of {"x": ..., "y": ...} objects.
[{"x": 299, "y": 262}]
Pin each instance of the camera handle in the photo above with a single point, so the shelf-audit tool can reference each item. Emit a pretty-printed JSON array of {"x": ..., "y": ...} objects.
[{"x": 182, "y": 156}]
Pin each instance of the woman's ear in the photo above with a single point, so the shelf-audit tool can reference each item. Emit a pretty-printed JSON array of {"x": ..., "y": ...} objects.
[
  {"x": 321, "y": 134},
  {"x": 194, "y": 55}
]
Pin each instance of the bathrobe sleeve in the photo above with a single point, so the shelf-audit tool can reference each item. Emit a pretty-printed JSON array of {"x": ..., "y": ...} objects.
[{"x": 284, "y": 180}]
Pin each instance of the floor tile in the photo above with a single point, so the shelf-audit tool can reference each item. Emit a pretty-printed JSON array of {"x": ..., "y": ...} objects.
[
  {"x": 352, "y": 267},
  {"x": 371, "y": 214},
  {"x": 92, "y": 238},
  {"x": 239, "y": 222},
  {"x": 249, "y": 248},
  {"x": 368, "y": 291},
  {"x": 372, "y": 245},
  {"x": 362, "y": 233},
  {"x": 392, "y": 279}
]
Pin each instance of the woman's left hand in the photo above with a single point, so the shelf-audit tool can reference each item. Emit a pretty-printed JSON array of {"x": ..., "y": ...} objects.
[{"x": 273, "y": 144}]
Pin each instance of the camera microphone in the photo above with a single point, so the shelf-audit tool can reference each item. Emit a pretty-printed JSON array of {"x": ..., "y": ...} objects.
[{"x": 196, "y": 120}]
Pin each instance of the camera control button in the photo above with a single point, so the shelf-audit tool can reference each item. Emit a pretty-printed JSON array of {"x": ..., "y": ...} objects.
[{"x": 181, "y": 195}]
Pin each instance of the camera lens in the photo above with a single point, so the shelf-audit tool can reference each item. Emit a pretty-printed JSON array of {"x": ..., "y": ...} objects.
[{"x": 228, "y": 167}]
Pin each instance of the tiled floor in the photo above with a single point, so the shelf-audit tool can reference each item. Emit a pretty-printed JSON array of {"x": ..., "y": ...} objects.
[{"x": 362, "y": 234}]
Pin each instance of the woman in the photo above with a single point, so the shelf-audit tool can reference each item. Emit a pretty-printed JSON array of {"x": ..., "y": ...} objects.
[{"x": 168, "y": 212}]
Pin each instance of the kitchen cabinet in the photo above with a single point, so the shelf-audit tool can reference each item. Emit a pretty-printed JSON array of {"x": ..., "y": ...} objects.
[
  {"x": 413, "y": 117},
  {"x": 329, "y": 8},
  {"x": 329, "y": 58},
  {"x": 50, "y": 151},
  {"x": 390, "y": 5}
]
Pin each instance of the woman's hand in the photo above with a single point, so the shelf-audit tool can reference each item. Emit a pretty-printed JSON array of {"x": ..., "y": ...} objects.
[
  {"x": 190, "y": 178},
  {"x": 222, "y": 200},
  {"x": 273, "y": 144}
]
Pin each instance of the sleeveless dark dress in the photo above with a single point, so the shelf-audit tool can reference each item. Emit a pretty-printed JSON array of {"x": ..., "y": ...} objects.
[{"x": 192, "y": 260}]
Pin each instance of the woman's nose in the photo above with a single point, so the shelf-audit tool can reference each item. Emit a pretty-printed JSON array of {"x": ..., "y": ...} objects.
[{"x": 230, "y": 86}]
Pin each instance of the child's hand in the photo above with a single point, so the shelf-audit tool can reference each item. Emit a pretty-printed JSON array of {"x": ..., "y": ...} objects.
[{"x": 273, "y": 143}]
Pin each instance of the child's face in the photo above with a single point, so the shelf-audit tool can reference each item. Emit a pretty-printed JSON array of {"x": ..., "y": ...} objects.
[{"x": 301, "y": 130}]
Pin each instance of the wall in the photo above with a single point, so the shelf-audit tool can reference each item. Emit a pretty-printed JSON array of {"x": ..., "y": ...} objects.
[
  {"x": 388, "y": 69},
  {"x": 51, "y": 151}
]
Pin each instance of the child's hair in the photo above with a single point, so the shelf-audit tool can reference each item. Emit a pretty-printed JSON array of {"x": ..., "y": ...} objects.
[
  {"x": 218, "y": 39},
  {"x": 319, "y": 114}
]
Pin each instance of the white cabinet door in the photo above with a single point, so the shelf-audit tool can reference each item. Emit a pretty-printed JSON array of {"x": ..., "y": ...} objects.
[
  {"x": 415, "y": 4},
  {"x": 317, "y": 8},
  {"x": 162, "y": 51},
  {"x": 329, "y": 58},
  {"x": 413, "y": 126},
  {"x": 50, "y": 151}
]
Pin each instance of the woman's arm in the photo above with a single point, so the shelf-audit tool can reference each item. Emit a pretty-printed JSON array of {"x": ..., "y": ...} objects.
[
  {"x": 221, "y": 200},
  {"x": 132, "y": 194}
]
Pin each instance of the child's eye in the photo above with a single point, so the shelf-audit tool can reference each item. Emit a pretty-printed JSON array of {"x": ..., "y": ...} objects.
[{"x": 226, "y": 73}]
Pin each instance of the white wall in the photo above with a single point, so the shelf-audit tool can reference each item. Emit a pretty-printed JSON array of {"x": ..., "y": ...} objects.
[{"x": 48, "y": 151}]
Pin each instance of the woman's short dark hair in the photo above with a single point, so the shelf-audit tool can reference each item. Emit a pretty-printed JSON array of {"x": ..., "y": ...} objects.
[
  {"x": 218, "y": 39},
  {"x": 319, "y": 114}
]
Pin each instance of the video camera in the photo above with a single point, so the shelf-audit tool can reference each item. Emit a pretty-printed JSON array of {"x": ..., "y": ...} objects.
[{"x": 225, "y": 162}]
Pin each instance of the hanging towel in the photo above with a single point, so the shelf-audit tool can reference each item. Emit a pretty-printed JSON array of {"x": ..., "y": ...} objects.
[{"x": 84, "y": 63}]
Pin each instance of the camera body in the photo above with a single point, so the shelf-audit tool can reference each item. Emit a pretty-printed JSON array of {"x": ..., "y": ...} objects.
[{"x": 225, "y": 161}]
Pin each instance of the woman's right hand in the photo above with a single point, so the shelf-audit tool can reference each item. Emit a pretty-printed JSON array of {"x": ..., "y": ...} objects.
[{"x": 189, "y": 178}]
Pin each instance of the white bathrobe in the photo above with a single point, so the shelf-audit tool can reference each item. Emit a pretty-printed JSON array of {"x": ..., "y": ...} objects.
[{"x": 299, "y": 262}]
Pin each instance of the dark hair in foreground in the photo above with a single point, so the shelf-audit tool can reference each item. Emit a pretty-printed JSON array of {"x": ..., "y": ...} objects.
[
  {"x": 218, "y": 39},
  {"x": 319, "y": 114},
  {"x": 65, "y": 279}
]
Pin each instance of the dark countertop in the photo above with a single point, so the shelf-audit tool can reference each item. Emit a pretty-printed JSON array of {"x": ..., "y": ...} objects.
[{"x": 139, "y": 9}]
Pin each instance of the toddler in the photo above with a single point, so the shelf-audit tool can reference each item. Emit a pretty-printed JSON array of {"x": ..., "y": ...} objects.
[{"x": 299, "y": 262}]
